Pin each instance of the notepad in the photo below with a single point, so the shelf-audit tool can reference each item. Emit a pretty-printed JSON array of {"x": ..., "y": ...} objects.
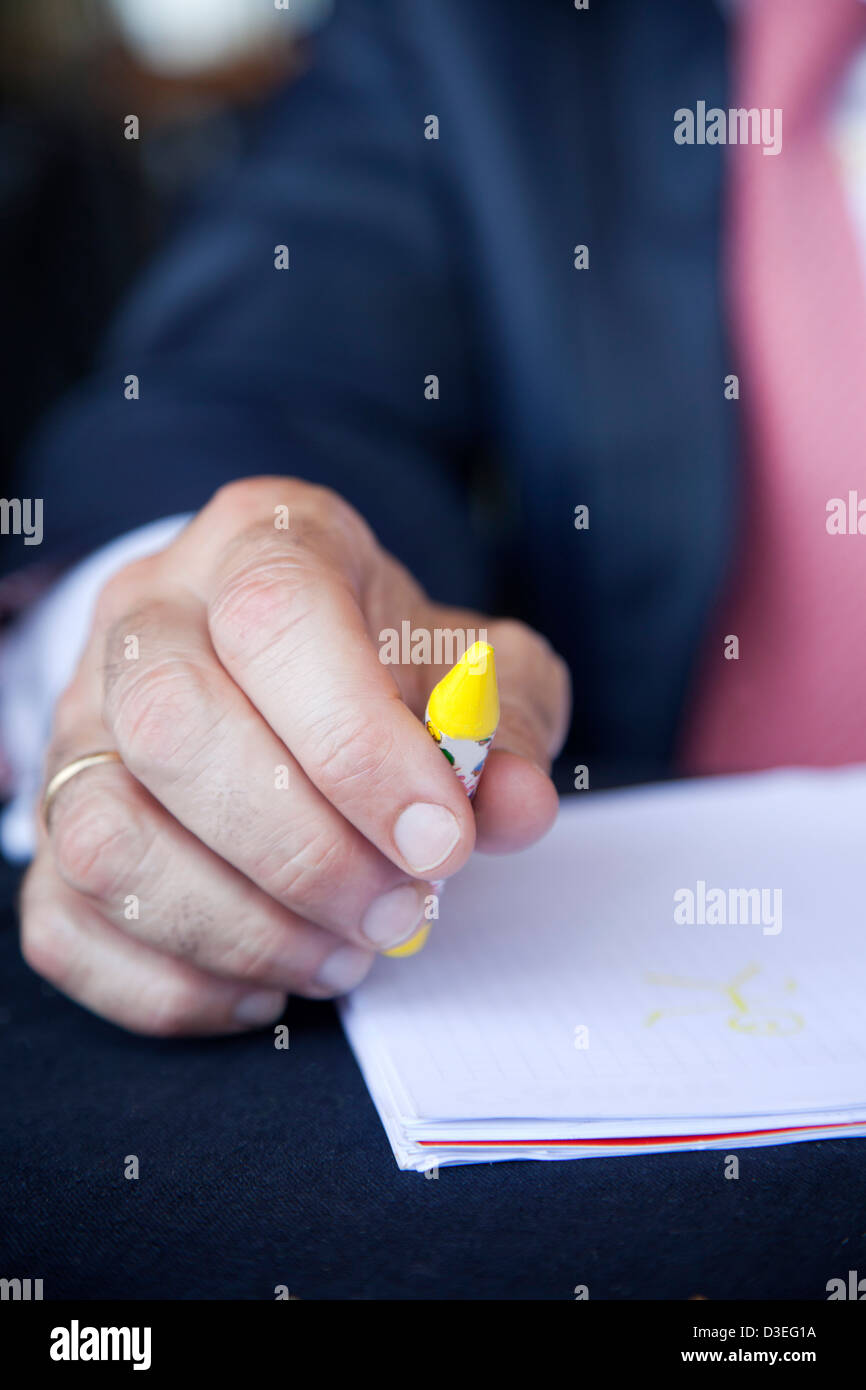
[{"x": 673, "y": 967}]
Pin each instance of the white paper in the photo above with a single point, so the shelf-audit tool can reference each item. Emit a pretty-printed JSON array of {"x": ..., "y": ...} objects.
[{"x": 558, "y": 998}]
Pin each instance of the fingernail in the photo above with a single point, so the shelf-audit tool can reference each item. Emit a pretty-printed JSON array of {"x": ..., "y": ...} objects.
[
  {"x": 425, "y": 835},
  {"x": 391, "y": 918},
  {"x": 343, "y": 970},
  {"x": 411, "y": 947},
  {"x": 265, "y": 1006}
]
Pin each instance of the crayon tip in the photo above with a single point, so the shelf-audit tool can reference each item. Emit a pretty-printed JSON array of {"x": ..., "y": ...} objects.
[{"x": 465, "y": 703}]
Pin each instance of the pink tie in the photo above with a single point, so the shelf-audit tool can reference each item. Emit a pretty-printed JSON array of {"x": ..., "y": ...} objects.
[{"x": 797, "y": 597}]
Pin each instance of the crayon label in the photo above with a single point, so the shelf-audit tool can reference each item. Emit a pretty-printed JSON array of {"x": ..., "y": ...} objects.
[{"x": 466, "y": 755}]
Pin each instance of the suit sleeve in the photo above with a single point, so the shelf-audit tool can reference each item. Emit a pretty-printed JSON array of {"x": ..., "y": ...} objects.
[{"x": 317, "y": 370}]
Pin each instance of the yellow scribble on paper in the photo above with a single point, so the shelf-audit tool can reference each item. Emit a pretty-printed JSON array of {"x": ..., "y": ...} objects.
[{"x": 762, "y": 1014}]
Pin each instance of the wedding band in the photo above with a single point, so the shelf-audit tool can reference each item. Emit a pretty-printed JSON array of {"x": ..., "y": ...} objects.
[{"x": 108, "y": 755}]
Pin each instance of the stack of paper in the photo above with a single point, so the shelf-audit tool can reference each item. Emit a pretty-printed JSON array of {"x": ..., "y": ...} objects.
[{"x": 674, "y": 967}]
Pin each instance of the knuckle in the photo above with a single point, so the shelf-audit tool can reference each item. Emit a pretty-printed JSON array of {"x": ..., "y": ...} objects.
[
  {"x": 70, "y": 706},
  {"x": 524, "y": 728},
  {"x": 328, "y": 524},
  {"x": 251, "y": 504},
  {"x": 305, "y": 877},
  {"x": 93, "y": 840},
  {"x": 260, "y": 602},
  {"x": 321, "y": 508},
  {"x": 123, "y": 592},
  {"x": 251, "y": 959},
  {"x": 353, "y": 756},
  {"x": 263, "y": 581},
  {"x": 550, "y": 683},
  {"x": 157, "y": 712},
  {"x": 513, "y": 635},
  {"x": 245, "y": 501},
  {"x": 112, "y": 601}
]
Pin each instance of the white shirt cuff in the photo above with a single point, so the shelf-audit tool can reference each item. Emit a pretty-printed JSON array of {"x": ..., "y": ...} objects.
[{"x": 37, "y": 662}]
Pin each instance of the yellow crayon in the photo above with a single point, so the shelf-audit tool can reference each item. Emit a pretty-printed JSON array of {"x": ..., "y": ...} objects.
[{"x": 462, "y": 715}]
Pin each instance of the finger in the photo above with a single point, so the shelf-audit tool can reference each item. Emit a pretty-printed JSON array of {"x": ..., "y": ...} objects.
[
  {"x": 516, "y": 802},
  {"x": 153, "y": 880},
  {"x": 65, "y": 940},
  {"x": 534, "y": 693},
  {"x": 190, "y": 735},
  {"x": 286, "y": 621}
]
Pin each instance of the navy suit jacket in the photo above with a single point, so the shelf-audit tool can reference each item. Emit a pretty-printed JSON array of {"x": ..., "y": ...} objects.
[{"x": 454, "y": 257}]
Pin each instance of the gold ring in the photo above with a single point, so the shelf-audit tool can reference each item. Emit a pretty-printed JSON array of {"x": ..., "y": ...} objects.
[{"x": 108, "y": 755}]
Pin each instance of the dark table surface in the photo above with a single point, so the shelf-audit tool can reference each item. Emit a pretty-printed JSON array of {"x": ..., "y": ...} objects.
[{"x": 261, "y": 1167}]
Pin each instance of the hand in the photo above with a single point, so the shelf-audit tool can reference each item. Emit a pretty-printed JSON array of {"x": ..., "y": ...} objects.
[{"x": 279, "y": 806}]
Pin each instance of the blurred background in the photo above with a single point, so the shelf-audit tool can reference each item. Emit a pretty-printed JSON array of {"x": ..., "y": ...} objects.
[{"x": 74, "y": 191}]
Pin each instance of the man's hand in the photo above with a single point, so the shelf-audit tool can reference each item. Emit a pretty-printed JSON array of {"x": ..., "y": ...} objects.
[{"x": 279, "y": 806}]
